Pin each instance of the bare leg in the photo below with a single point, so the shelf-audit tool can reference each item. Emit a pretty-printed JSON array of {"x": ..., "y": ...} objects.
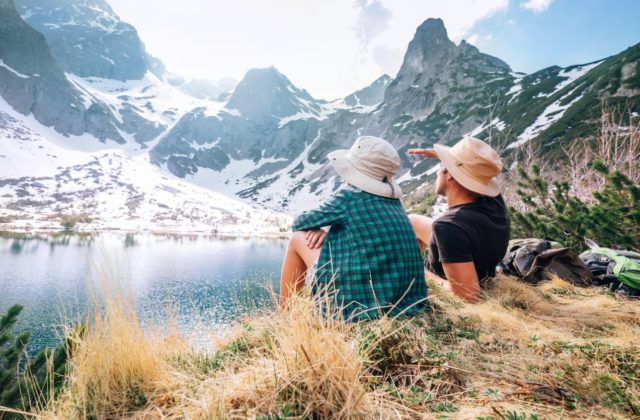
[
  {"x": 422, "y": 228},
  {"x": 298, "y": 259}
]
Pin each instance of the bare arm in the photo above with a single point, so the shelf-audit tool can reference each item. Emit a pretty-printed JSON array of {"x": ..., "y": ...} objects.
[{"x": 463, "y": 279}]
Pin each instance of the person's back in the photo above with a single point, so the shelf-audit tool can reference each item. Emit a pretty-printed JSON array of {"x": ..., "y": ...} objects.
[
  {"x": 369, "y": 262},
  {"x": 477, "y": 231},
  {"x": 370, "y": 256}
]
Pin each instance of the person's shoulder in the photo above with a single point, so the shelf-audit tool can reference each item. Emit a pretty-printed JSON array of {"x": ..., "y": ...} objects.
[
  {"x": 344, "y": 195},
  {"x": 446, "y": 229},
  {"x": 450, "y": 215},
  {"x": 446, "y": 222}
]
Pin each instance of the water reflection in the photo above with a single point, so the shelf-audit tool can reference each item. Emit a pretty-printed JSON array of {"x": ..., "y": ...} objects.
[{"x": 197, "y": 280}]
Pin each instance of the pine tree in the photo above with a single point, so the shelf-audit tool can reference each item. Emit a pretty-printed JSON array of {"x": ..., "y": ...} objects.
[
  {"x": 612, "y": 220},
  {"x": 25, "y": 383}
]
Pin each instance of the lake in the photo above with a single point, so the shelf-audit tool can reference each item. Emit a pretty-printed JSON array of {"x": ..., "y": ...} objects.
[{"x": 202, "y": 283}]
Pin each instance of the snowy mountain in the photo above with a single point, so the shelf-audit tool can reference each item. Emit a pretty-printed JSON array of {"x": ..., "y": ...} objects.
[
  {"x": 370, "y": 95},
  {"x": 56, "y": 157},
  {"x": 33, "y": 83},
  {"x": 43, "y": 183},
  {"x": 89, "y": 40},
  {"x": 266, "y": 142}
]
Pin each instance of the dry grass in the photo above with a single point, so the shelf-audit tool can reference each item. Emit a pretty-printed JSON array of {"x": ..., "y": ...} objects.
[{"x": 523, "y": 353}]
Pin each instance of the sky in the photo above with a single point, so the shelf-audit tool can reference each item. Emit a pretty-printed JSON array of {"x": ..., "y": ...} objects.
[{"x": 334, "y": 47}]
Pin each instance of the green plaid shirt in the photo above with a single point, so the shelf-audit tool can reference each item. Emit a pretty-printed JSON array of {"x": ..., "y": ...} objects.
[{"x": 370, "y": 259}]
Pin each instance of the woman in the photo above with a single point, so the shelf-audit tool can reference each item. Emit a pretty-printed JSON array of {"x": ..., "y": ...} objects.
[{"x": 369, "y": 261}]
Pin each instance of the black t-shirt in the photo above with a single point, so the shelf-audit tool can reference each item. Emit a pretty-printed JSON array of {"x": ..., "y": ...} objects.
[{"x": 477, "y": 232}]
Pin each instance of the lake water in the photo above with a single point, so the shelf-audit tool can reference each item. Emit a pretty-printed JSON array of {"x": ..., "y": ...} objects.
[{"x": 200, "y": 282}]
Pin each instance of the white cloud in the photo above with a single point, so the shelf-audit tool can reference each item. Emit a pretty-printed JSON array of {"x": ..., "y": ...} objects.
[
  {"x": 373, "y": 20},
  {"x": 536, "y": 6},
  {"x": 388, "y": 59},
  {"x": 473, "y": 39},
  {"x": 329, "y": 47}
]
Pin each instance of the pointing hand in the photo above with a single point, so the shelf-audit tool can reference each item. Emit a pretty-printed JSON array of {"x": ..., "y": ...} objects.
[{"x": 431, "y": 153}]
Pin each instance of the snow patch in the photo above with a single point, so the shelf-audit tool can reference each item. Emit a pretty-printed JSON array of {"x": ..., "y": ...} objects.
[
  {"x": 496, "y": 122},
  {"x": 302, "y": 115},
  {"x": 17, "y": 73},
  {"x": 233, "y": 112},
  {"x": 570, "y": 76},
  {"x": 549, "y": 116}
]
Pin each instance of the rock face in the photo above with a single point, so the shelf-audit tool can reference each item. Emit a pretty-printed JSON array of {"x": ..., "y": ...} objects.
[
  {"x": 88, "y": 39},
  {"x": 266, "y": 117},
  {"x": 266, "y": 94},
  {"x": 370, "y": 95},
  {"x": 441, "y": 81},
  {"x": 32, "y": 82}
]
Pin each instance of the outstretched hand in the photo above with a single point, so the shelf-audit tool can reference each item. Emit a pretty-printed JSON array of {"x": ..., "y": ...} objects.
[
  {"x": 315, "y": 238},
  {"x": 430, "y": 153}
]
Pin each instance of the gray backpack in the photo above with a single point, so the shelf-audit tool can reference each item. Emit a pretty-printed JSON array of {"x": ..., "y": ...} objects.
[{"x": 534, "y": 260}]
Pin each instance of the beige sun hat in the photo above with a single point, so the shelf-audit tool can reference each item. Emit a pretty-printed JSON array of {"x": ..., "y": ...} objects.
[
  {"x": 473, "y": 164},
  {"x": 370, "y": 165}
]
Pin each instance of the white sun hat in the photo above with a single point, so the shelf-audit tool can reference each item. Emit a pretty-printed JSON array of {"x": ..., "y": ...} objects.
[
  {"x": 370, "y": 165},
  {"x": 473, "y": 164}
]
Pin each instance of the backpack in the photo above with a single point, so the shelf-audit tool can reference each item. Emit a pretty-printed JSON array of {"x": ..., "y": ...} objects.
[
  {"x": 619, "y": 270},
  {"x": 534, "y": 260}
]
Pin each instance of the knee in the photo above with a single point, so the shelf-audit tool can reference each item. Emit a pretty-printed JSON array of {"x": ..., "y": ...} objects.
[
  {"x": 421, "y": 226},
  {"x": 415, "y": 220},
  {"x": 298, "y": 238}
]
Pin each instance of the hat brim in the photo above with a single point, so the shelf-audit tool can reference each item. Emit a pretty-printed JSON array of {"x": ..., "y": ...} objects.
[
  {"x": 492, "y": 189},
  {"x": 340, "y": 162}
]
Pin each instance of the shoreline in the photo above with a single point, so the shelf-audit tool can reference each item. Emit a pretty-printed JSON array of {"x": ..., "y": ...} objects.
[{"x": 52, "y": 231}]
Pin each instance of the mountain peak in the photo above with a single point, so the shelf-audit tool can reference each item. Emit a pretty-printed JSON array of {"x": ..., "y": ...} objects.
[
  {"x": 429, "y": 50},
  {"x": 433, "y": 28},
  {"x": 267, "y": 93},
  {"x": 370, "y": 95},
  {"x": 266, "y": 75}
]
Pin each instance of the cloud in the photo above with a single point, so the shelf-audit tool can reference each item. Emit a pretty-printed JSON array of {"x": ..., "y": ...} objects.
[
  {"x": 473, "y": 39},
  {"x": 373, "y": 19},
  {"x": 479, "y": 40},
  {"x": 536, "y": 6},
  {"x": 388, "y": 59}
]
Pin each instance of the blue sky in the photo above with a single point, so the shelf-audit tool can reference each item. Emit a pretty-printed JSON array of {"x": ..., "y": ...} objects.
[
  {"x": 334, "y": 47},
  {"x": 567, "y": 32}
]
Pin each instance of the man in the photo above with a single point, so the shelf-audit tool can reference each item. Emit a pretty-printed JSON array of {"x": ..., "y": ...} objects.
[
  {"x": 471, "y": 237},
  {"x": 369, "y": 261}
]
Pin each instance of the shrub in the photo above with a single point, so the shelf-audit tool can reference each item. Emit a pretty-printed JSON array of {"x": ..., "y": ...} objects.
[
  {"x": 591, "y": 192},
  {"x": 551, "y": 211},
  {"x": 69, "y": 222},
  {"x": 27, "y": 383}
]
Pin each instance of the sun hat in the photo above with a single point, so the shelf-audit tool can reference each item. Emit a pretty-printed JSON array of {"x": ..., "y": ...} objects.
[
  {"x": 473, "y": 164},
  {"x": 370, "y": 165}
]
